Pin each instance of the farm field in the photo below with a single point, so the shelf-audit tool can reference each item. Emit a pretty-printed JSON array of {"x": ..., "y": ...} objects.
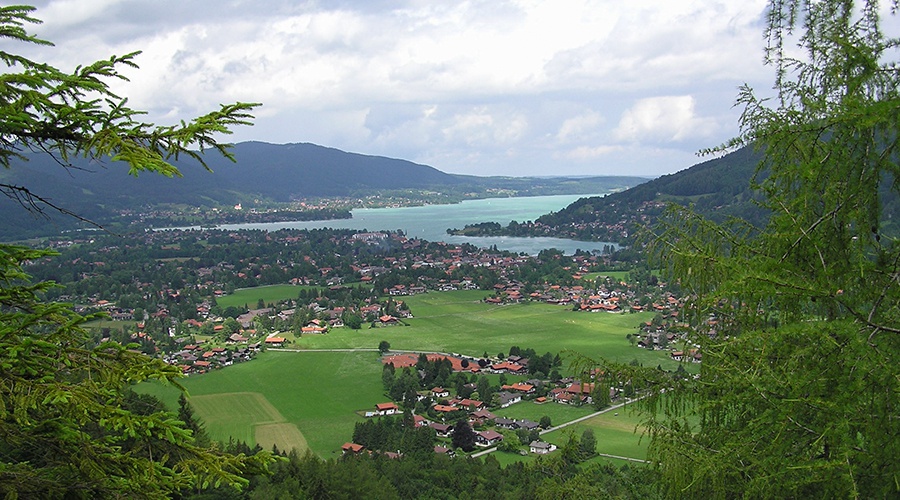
[
  {"x": 304, "y": 400},
  {"x": 619, "y": 435},
  {"x": 270, "y": 293},
  {"x": 618, "y": 432},
  {"x": 460, "y": 322}
]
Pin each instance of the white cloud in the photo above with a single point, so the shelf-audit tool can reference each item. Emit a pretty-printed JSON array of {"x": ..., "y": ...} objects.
[
  {"x": 662, "y": 119},
  {"x": 574, "y": 128},
  {"x": 474, "y": 86},
  {"x": 582, "y": 153}
]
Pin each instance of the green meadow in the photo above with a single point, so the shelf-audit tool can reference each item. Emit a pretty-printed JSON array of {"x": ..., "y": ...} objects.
[
  {"x": 312, "y": 399},
  {"x": 460, "y": 322},
  {"x": 320, "y": 394},
  {"x": 268, "y": 294}
]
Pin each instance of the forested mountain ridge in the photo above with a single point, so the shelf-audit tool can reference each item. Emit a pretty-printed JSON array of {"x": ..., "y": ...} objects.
[
  {"x": 263, "y": 175},
  {"x": 716, "y": 188}
]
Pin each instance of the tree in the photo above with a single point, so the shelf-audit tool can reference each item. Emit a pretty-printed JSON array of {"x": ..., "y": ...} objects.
[
  {"x": 69, "y": 428},
  {"x": 600, "y": 396},
  {"x": 587, "y": 447},
  {"x": 510, "y": 443},
  {"x": 66, "y": 426},
  {"x": 463, "y": 435},
  {"x": 387, "y": 376},
  {"x": 384, "y": 346},
  {"x": 797, "y": 390}
]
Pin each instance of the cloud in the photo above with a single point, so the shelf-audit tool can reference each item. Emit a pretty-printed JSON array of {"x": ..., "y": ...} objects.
[
  {"x": 662, "y": 119},
  {"x": 582, "y": 153},
  {"x": 577, "y": 127},
  {"x": 480, "y": 86}
]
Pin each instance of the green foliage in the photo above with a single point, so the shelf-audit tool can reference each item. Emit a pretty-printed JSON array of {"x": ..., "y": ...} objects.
[
  {"x": 76, "y": 114},
  {"x": 463, "y": 435},
  {"x": 64, "y": 409},
  {"x": 71, "y": 426},
  {"x": 797, "y": 321}
]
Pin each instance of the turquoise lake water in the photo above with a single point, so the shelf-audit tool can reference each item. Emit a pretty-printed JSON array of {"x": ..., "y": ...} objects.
[{"x": 431, "y": 222}]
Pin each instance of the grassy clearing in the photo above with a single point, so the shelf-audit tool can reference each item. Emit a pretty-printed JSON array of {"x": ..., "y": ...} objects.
[
  {"x": 460, "y": 322},
  {"x": 250, "y": 296},
  {"x": 558, "y": 413},
  {"x": 618, "y": 432},
  {"x": 268, "y": 294},
  {"x": 319, "y": 393},
  {"x": 285, "y": 436}
]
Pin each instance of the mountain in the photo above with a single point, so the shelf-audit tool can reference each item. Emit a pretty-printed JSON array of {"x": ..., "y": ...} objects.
[
  {"x": 263, "y": 174},
  {"x": 716, "y": 188}
]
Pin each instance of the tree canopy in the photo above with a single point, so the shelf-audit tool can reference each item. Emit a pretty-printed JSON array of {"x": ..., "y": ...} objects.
[
  {"x": 69, "y": 426},
  {"x": 798, "y": 321}
]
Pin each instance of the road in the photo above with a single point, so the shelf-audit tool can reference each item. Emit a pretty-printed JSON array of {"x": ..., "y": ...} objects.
[{"x": 577, "y": 420}]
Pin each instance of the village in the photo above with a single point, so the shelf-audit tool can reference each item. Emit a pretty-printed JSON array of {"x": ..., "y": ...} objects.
[{"x": 163, "y": 287}]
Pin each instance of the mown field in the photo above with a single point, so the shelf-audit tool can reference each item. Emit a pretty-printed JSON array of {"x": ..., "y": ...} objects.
[
  {"x": 460, "y": 322},
  {"x": 268, "y": 294},
  {"x": 313, "y": 399},
  {"x": 319, "y": 394}
]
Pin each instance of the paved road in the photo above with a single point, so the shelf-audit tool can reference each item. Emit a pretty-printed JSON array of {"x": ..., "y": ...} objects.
[{"x": 577, "y": 420}]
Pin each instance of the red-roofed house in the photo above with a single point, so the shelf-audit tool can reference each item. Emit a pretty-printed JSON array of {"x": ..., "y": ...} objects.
[
  {"x": 386, "y": 409},
  {"x": 352, "y": 448}
]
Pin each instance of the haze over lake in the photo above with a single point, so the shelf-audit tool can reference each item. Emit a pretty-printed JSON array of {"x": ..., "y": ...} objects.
[{"x": 432, "y": 221}]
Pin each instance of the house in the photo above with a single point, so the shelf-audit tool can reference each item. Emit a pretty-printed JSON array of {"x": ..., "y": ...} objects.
[
  {"x": 519, "y": 387},
  {"x": 235, "y": 338},
  {"x": 443, "y": 430},
  {"x": 313, "y": 329},
  {"x": 483, "y": 415},
  {"x": 386, "y": 408},
  {"x": 440, "y": 450},
  {"x": 467, "y": 404},
  {"x": 275, "y": 341},
  {"x": 505, "y": 423},
  {"x": 388, "y": 320},
  {"x": 526, "y": 424},
  {"x": 488, "y": 438},
  {"x": 541, "y": 447},
  {"x": 439, "y": 392},
  {"x": 444, "y": 408},
  {"x": 508, "y": 398},
  {"x": 352, "y": 448}
]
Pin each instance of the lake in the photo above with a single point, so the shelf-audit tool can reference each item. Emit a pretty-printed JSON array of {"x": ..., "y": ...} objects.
[{"x": 431, "y": 222}]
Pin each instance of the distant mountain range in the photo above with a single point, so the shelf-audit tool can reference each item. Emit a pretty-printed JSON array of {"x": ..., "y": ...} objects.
[{"x": 264, "y": 173}]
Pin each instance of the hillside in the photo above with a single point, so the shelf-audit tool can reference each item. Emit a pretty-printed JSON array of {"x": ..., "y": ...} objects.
[
  {"x": 717, "y": 188},
  {"x": 263, "y": 176}
]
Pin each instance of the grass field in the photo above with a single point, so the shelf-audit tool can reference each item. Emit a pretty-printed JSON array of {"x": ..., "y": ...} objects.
[
  {"x": 460, "y": 322},
  {"x": 618, "y": 433},
  {"x": 309, "y": 399},
  {"x": 269, "y": 294},
  {"x": 313, "y": 399}
]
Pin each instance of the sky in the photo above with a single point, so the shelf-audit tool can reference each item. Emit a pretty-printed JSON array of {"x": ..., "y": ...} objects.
[{"x": 493, "y": 87}]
